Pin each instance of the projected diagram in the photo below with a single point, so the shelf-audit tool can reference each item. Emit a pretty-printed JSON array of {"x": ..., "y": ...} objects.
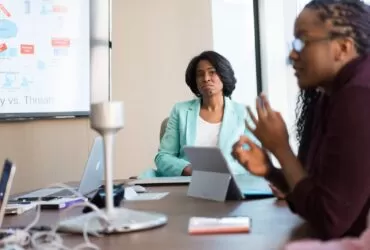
[
  {"x": 22, "y": 61},
  {"x": 13, "y": 81},
  {"x": 44, "y": 57}
]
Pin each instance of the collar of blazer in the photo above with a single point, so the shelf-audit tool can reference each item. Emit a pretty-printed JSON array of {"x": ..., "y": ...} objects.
[{"x": 230, "y": 122}]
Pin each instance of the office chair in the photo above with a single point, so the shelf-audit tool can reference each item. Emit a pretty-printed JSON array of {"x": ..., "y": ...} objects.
[
  {"x": 163, "y": 128},
  {"x": 152, "y": 172}
]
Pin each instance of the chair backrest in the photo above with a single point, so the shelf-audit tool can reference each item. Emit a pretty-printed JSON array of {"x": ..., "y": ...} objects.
[{"x": 163, "y": 128}]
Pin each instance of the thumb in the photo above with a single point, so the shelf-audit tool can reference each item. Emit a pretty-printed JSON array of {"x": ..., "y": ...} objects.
[
  {"x": 238, "y": 151},
  {"x": 279, "y": 194},
  {"x": 246, "y": 140},
  {"x": 278, "y": 114}
]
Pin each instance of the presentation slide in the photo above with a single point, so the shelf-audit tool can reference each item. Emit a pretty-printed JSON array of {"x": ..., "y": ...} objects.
[{"x": 44, "y": 57}]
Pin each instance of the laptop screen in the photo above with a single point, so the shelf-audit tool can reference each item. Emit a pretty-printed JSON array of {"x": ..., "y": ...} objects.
[{"x": 6, "y": 180}]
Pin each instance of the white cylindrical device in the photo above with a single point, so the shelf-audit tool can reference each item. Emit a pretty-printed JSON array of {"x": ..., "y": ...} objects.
[{"x": 107, "y": 119}]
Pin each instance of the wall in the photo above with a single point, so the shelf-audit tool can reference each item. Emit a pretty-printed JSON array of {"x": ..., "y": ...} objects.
[
  {"x": 233, "y": 37},
  {"x": 45, "y": 152},
  {"x": 276, "y": 28},
  {"x": 153, "y": 42}
]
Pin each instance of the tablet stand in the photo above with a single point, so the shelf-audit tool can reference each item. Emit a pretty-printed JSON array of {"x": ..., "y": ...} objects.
[{"x": 213, "y": 186}]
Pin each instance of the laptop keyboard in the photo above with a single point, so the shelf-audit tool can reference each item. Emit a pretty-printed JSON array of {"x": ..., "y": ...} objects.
[
  {"x": 46, "y": 194},
  {"x": 63, "y": 193},
  {"x": 41, "y": 193}
]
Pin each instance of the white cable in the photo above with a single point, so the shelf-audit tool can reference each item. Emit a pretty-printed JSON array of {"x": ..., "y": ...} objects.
[
  {"x": 49, "y": 240},
  {"x": 22, "y": 237},
  {"x": 18, "y": 237},
  {"x": 35, "y": 220},
  {"x": 79, "y": 195},
  {"x": 56, "y": 241}
]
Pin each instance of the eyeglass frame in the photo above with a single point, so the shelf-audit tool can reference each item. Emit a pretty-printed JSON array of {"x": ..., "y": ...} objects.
[{"x": 304, "y": 43}]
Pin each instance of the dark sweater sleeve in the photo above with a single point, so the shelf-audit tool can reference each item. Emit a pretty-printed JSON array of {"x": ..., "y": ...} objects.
[
  {"x": 277, "y": 178},
  {"x": 331, "y": 199}
]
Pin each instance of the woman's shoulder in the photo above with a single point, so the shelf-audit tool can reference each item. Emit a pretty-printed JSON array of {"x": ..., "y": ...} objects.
[
  {"x": 184, "y": 105},
  {"x": 239, "y": 108}
]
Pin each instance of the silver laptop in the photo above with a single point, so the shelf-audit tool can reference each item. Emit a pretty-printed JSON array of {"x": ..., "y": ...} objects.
[
  {"x": 172, "y": 180},
  {"x": 91, "y": 179},
  {"x": 242, "y": 186}
]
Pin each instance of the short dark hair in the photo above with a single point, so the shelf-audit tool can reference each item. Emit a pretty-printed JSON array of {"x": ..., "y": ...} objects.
[{"x": 222, "y": 67}]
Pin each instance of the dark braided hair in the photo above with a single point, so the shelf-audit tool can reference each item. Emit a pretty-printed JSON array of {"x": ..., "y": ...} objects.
[
  {"x": 349, "y": 18},
  {"x": 305, "y": 109}
]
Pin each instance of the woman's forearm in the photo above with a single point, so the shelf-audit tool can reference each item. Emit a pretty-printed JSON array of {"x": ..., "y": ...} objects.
[
  {"x": 277, "y": 178},
  {"x": 291, "y": 167}
]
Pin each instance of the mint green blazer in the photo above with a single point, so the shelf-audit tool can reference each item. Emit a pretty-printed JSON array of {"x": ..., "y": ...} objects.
[{"x": 181, "y": 131}]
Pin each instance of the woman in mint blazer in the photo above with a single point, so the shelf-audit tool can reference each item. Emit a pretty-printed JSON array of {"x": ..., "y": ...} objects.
[{"x": 212, "y": 119}]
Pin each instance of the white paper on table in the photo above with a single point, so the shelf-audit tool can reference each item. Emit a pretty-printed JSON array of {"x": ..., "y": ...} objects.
[{"x": 147, "y": 196}]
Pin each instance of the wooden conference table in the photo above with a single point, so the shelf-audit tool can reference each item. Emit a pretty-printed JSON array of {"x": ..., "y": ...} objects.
[{"x": 272, "y": 224}]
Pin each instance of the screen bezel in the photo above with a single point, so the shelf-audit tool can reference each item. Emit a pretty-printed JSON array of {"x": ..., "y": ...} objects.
[{"x": 8, "y": 166}]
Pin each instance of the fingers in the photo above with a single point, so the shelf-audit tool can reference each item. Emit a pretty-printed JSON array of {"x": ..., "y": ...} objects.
[
  {"x": 274, "y": 191},
  {"x": 266, "y": 103},
  {"x": 279, "y": 115},
  {"x": 263, "y": 109},
  {"x": 239, "y": 153},
  {"x": 253, "y": 117},
  {"x": 249, "y": 127},
  {"x": 263, "y": 106},
  {"x": 273, "y": 188},
  {"x": 243, "y": 140},
  {"x": 278, "y": 194},
  {"x": 187, "y": 171},
  {"x": 260, "y": 109}
]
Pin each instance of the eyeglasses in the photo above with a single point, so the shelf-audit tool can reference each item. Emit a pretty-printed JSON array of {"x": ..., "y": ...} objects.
[{"x": 298, "y": 44}]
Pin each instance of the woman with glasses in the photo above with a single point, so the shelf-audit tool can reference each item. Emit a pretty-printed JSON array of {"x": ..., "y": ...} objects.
[{"x": 328, "y": 183}]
